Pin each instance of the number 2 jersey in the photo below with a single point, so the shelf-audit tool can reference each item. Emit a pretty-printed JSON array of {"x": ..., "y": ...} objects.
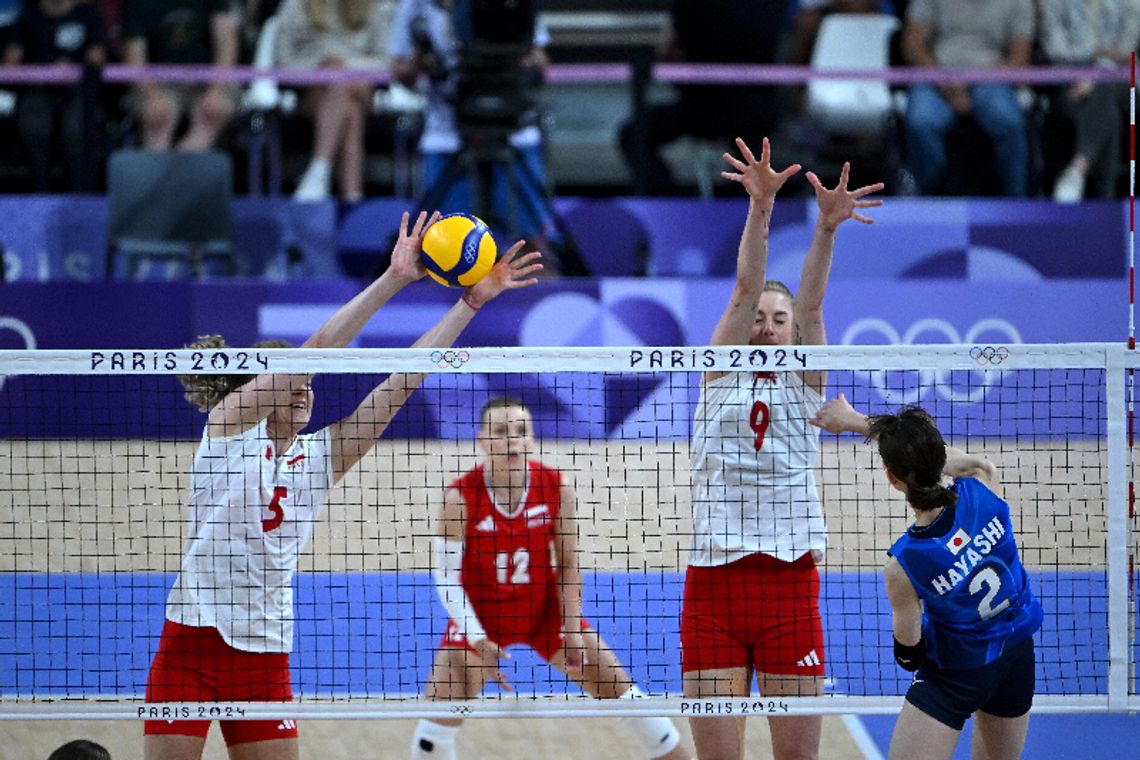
[
  {"x": 753, "y": 464},
  {"x": 965, "y": 567},
  {"x": 509, "y": 565},
  {"x": 251, "y": 513}
]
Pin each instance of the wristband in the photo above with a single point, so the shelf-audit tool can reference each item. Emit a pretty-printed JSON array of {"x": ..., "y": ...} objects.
[
  {"x": 470, "y": 305},
  {"x": 910, "y": 658}
]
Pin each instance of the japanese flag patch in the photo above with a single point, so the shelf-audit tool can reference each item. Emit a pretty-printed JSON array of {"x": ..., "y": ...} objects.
[{"x": 958, "y": 541}]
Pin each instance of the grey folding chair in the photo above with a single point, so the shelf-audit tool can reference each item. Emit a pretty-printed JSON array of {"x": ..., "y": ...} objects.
[{"x": 172, "y": 206}]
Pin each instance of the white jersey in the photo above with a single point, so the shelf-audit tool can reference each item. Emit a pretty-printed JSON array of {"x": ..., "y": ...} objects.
[
  {"x": 753, "y": 463},
  {"x": 251, "y": 514}
]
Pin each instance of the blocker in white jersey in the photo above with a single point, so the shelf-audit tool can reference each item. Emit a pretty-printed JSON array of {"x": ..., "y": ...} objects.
[
  {"x": 751, "y": 601},
  {"x": 753, "y": 460},
  {"x": 258, "y": 486},
  {"x": 251, "y": 603}
]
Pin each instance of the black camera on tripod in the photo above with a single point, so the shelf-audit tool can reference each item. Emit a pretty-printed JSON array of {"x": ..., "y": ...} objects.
[{"x": 494, "y": 93}]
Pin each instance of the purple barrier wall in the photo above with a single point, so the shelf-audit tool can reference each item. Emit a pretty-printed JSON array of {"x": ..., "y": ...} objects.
[{"x": 63, "y": 239}]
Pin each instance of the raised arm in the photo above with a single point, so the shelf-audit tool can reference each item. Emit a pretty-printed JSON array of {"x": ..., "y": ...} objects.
[
  {"x": 252, "y": 402},
  {"x": 762, "y": 184},
  {"x": 569, "y": 577},
  {"x": 836, "y": 206},
  {"x": 354, "y": 435},
  {"x": 959, "y": 464}
]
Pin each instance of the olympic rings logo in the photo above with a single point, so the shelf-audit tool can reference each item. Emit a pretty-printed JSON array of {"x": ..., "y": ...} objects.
[
  {"x": 21, "y": 328},
  {"x": 449, "y": 358},
  {"x": 989, "y": 354},
  {"x": 940, "y": 381}
]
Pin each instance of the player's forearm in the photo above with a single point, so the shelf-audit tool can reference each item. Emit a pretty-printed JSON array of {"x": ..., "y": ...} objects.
[
  {"x": 448, "y": 567},
  {"x": 570, "y": 591},
  {"x": 343, "y": 326},
  {"x": 816, "y": 271},
  {"x": 752, "y": 254},
  {"x": 959, "y": 464}
]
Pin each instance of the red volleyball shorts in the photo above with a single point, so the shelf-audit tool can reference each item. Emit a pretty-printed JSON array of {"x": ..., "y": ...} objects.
[
  {"x": 541, "y": 632},
  {"x": 757, "y": 612},
  {"x": 197, "y": 665}
]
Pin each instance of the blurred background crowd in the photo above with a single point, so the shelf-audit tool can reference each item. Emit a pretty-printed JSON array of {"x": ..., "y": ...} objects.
[{"x": 395, "y": 129}]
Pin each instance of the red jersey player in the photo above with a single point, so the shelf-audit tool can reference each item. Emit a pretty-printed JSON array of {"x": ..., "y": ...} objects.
[{"x": 507, "y": 572}]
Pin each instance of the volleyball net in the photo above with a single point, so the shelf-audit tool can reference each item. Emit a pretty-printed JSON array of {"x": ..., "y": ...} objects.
[{"x": 97, "y": 448}]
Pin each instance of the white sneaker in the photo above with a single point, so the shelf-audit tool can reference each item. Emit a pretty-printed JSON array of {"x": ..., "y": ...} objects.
[
  {"x": 1070, "y": 187},
  {"x": 314, "y": 184}
]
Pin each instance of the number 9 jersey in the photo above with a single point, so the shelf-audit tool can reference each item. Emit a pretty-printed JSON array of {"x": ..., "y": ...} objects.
[{"x": 965, "y": 568}]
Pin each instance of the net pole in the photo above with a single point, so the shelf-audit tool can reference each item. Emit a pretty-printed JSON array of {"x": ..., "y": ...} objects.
[{"x": 1131, "y": 337}]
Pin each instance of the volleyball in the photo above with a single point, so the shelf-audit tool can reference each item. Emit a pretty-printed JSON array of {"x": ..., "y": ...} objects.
[{"x": 458, "y": 250}]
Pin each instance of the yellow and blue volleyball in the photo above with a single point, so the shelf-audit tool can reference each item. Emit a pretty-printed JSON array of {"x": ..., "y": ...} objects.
[{"x": 458, "y": 250}]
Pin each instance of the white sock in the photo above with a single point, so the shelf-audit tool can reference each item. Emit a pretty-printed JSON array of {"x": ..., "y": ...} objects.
[
  {"x": 315, "y": 182},
  {"x": 434, "y": 741}
]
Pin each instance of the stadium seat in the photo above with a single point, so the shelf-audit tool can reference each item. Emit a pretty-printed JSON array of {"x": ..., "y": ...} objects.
[
  {"x": 852, "y": 41},
  {"x": 170, "y": 205}
]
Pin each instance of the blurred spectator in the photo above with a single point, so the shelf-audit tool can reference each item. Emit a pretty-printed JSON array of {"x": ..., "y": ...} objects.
[
  {"x": 254, "y": 14},
  {"x": 967, "y": 33},
  {"x": 9, "y": 12},
  {"x": 805, "y": 23},
  {"x": 181, "y": 32},
  {"x": 111, "y": 15},
  {"x": 708, "y": 31},
  {"x": 1081, "y": 33},
  {"x": 51, "y": 32},
  {"x": 423, "y": 41},
  {"x": 335, "y": 34},
  {"x": 81, "y": 749}
]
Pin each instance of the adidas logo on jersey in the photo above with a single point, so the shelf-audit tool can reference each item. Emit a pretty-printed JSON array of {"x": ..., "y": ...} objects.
[
  {"x": 486, "y": 525},
  {"x": 286, "y": 725},
  {"x": 811, "y": 660}
]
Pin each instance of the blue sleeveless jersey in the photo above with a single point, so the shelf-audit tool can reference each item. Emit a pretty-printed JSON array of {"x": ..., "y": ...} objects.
[{"x": 966, "y": 570}]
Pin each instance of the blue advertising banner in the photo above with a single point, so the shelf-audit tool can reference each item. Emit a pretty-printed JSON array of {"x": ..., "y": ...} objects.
[{"x": 63, "y": 239}]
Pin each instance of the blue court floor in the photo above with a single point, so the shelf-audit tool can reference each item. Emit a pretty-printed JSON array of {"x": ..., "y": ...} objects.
[{"x": 374, "y": 634}]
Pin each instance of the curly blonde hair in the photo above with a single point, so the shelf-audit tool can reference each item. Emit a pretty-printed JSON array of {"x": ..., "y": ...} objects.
[
  {"x": 207, "y": 391},
  {"x": 353, "y": 13}
]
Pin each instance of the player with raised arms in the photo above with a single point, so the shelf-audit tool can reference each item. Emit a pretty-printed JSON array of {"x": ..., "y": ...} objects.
[
  {"x": 506, "y": 568},
  {"x": 258, "y": 485},
  {"x": 751, "y": 600},
  {"x": 963, "y": 612}
]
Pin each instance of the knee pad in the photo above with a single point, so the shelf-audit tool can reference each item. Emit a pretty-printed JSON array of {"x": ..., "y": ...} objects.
[
  {"x": 657, "y": 737},
  {"x": 434, "y": 741}
]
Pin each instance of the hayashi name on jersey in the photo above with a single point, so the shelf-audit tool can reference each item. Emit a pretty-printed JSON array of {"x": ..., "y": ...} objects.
[{"x": 975, "y": 549}]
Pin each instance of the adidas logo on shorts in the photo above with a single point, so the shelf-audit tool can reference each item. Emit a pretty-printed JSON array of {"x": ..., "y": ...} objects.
[{"x": 810, "y": 661}]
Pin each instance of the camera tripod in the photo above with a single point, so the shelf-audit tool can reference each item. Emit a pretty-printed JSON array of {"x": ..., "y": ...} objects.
[{"x": 481, "y": 157}]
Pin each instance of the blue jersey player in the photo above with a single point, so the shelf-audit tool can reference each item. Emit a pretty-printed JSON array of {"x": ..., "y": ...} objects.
[{"x": 964, "y": 615}]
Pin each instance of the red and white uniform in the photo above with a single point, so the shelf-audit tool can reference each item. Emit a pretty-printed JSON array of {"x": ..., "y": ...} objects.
[
  {"x": 752, "y": 587},
  {"x": 252, "y": 511},
  {"x": 753, "y": 464},
  {"x": 510, "y": 568}
]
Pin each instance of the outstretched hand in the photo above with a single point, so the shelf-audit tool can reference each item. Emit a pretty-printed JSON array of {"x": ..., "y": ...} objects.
[
  {"x": 758, "y": 177},
  {"x": 574, "y": 649},
  {"x": 838, "y": 416},
  {"x": 489, "y": 650},
  {"x": 508, "y": 273},
  {"x": 840, "y": 204},
  {"x": 406, "y": 263}
]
